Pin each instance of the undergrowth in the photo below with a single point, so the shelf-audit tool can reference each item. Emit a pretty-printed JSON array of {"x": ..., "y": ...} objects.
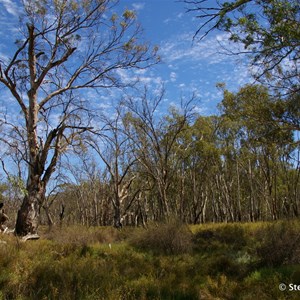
[{"x": 164, "y": 261}]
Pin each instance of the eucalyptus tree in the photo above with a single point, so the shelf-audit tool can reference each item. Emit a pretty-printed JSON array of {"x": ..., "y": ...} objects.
[
  {"x": 81, "y": 193},
  {"x": 114, "y": 147},
  {"x": 64, "y": 47},
  {"x": 262, "y": 145},
  {"x": 155, "y": 136},
  {"x": 198, "y": 160},
  {"x": 210, "y": 169},
  {"x": 268, "y": 31}
]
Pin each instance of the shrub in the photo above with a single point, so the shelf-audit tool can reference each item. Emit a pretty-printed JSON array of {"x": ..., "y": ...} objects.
[
  {"x": 219, "y": 287},
  {"x": 224, "y": 236},
  {"x": 232, "y": 234},
  {"x": 222, "y": 264},
  {"x": 278, "y": 243},
  {"x": 169, "y": 238}
]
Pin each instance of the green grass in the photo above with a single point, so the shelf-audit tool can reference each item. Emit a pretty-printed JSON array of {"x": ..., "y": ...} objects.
[{"x": 166, "y": 261}]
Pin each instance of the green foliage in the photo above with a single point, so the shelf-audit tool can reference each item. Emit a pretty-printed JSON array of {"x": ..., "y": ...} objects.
[
  {"x": 17, "y": 183},
  {"x": 256, "y": 113},
  {"x": 220, "y": 288},
  {"x": 278, "y": 244},
  {"x": 268, "y": 30},
  {"x": 232, "y": 236}
]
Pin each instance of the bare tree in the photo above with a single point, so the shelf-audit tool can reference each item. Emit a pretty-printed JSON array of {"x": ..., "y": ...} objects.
[
  {"x": 80, "y": 196},
  {"x": 155, "y": 140},
  {"x": 115, "y": 150},
  {"x": 66, "y": 46}
]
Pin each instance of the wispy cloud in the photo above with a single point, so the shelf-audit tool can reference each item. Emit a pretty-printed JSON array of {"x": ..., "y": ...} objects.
[
  {"x": 138, "y": 6},
  {"x": 181, "y": 49},
  {"x": 173, "y": 76},
  {"x": 10, "y": 6},
  {"x": 204, "y": 63},
  {"x": 141, "y": 76}
]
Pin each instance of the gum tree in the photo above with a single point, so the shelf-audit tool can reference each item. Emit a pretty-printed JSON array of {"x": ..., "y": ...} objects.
[
  {"x": 268, "y": 31},
  {"x": 114, "y": 148},
  {"x": 155, "y": 143},
  {"x": 65, "y": 47}
]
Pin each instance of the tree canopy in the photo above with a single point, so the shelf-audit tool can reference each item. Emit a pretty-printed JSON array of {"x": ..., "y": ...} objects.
[{"x": 268, "y": 31}]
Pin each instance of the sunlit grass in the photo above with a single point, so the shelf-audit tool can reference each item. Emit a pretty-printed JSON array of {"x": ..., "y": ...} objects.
[{"x": 222, "y": 261}]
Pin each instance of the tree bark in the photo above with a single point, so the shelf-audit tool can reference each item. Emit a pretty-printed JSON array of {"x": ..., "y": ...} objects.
[
  {"x": 117, "y": 217},
  {"x": 29, "y": 213}
]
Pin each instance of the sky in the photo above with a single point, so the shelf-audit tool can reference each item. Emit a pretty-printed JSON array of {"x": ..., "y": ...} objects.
[{"x": 188, "y": 67}]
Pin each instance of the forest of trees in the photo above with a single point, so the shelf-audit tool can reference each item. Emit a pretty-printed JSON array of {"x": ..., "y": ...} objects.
[
  {"x": 240, "y": 165},
  {"x": 67, "y": 164}
]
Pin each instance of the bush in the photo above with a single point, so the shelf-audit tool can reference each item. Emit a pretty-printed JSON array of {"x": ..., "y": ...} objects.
[
  {"x": 278, "y": 243},
  {"x": 224, "y": 236},
  {"x": 222, "y": 264},
  {"x": 168, "y": 238},
  {"x": 232, "y": 234},
  {"x": 220, "y": 287}
]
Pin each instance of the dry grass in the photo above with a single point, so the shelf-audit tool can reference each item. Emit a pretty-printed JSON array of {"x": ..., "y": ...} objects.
[
  {"x": 226, "y": 261},
  {"x": 171, "y": 238},
  {"x": 80, "y": 235}
]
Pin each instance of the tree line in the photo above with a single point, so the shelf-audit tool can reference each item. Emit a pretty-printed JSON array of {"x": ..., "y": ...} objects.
[{"x": 241, "y": 164}]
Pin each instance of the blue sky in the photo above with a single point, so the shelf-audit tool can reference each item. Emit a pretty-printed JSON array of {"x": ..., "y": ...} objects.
[{"x": 188, "y": 67}]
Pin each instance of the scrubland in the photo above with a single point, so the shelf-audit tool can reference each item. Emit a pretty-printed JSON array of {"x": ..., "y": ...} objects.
[{"x": 163, "y": 261}]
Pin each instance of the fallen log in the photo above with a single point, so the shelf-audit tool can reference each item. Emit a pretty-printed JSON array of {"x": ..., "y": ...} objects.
[{"x": 30, "y": 237}]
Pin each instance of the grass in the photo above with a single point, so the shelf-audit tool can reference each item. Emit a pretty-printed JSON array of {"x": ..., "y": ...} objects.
[{"x": 166, "y": 261}]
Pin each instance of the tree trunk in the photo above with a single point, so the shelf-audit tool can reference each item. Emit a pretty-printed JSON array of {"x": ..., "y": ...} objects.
[
  {"x": 117, "y": 216},
  {"x": 48, "y": 216},
  {"x": 29, "y": 213}
]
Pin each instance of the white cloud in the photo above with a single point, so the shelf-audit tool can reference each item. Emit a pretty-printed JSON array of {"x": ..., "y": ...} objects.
[
  {"x": 138, "y": 6},
  {"x": 210, "y": 50},
  {"x": 205, "y": 63},
  {"x": 150, "y": 79},
  {"x": 127, "y": 76},
  {"x": 10, "y": 6},
  {"x": 140, "y": 71},
  {"x": 199, "y": 109},
  {"x": 4, "y": 56},
  {"x": 173, "y": 76}
]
